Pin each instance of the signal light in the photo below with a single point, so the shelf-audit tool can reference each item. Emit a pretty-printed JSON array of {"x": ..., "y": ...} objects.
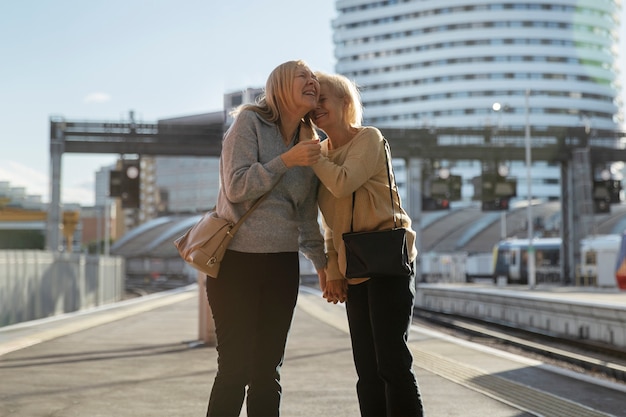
[
  {"x": 495, "y": 205},
  {"x": 497, "y": 191},
  {"x": 615, "y": 191},
  {"x": 601, "y": 197},
  {"x": 434, "y": 204},
  {"x": 441, "y": 191},
  {"x": 115, "y": 183},
  {"x": 131, "y": 176}
]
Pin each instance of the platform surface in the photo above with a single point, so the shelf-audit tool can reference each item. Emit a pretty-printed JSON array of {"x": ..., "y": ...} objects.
[{"x": 142, "y": 358}]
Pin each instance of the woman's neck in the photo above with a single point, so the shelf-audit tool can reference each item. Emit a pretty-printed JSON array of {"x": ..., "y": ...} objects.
[
  {"x": 288, "y": 127},
  {"x": 340, "y": 135}
]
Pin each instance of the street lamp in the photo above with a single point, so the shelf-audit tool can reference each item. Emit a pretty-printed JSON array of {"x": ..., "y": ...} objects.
[
  {"x": 500, "y": 108},
  {"x": 531, "y": 250},
  {"x": 503, "y": 170}
]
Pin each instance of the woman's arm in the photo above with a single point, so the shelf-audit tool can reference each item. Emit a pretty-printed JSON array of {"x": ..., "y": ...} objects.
[
  {"x": 311, "y": 241},
  {"x": 361, "y": 163}
]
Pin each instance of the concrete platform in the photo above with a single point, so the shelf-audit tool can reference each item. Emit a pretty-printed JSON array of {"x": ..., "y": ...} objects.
[
  {"x": 586, "y": 313},
  {"x": 142, "y": 358}
]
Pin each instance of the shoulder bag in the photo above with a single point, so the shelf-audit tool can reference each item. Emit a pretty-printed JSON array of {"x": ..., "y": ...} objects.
[
  {"x": 380, "y": 252},
  {"x": 204, "y": 245}
]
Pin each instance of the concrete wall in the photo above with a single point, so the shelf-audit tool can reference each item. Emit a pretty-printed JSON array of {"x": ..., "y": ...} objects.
[{"x": 37, "y": 284}]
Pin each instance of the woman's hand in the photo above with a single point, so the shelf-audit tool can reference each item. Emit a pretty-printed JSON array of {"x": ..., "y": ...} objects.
[
  {"x": 336, "y": 291},
  {"x": 305, "y": 153}
]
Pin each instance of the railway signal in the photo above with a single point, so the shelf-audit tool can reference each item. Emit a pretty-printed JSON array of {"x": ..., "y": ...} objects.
[
  {"x": 442, "y": 191},
  {"x": 130, "y": 183},
  {"x": 434, "y": 204},
  {"x": 601, "y": 197},
  {"x": 115, "y": 183},
  {"x": 497, "y": 191},
  {"x": 125, "y": 183}
]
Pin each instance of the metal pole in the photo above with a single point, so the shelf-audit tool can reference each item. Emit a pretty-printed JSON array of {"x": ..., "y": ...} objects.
[
  {"x": 107, "y": 226},
  {"x": 531, "y": 250},
  {"x": 414, "y": 200},
  {"x": 99, "y": 229},
  {"x": 54, "y": 241}
]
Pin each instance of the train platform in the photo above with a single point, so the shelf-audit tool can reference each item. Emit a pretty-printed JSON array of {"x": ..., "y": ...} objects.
[
  {"x": 587, "y": 313},
  {"x": 143, "y": 357}
]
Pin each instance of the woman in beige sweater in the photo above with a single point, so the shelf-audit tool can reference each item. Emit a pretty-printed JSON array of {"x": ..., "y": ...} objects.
[{"x": 379, "y": 309}]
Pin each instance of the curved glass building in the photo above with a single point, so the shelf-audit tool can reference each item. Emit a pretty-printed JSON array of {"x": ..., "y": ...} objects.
[{"x": 454, "y": 63}]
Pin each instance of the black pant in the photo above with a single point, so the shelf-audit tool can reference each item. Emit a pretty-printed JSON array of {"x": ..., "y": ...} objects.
[
  {"x": 379, "y": 314},
  {"x": 253, "y": 302}
]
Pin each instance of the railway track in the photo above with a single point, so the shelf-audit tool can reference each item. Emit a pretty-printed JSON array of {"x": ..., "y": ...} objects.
[
  {"x": 602, "y": 361},
  {"x": 137, "y": 287},
  {"x": 589, "y": 358}
]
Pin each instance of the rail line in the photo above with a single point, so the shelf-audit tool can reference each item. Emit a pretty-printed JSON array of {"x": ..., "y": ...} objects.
[{"x": 578, "y": 355}]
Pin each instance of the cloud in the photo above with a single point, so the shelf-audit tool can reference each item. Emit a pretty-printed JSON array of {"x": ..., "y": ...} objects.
[
  {"x": 97, "y": 98},
  {"x": 78, "y": 195},
  {"x": 36, "y": 183},
  {"x": 19, "y": 175}
]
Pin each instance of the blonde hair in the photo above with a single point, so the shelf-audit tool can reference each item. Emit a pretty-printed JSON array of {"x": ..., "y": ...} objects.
[
  {"x": 278, "y": 92},
  {"x": 346, "y": 89}
]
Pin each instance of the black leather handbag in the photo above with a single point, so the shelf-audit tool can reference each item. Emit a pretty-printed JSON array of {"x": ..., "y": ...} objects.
[{"x": 378, "y": 253}]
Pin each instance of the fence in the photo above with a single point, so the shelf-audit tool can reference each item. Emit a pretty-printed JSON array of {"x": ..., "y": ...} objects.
[{"x": 37, "y": 284}]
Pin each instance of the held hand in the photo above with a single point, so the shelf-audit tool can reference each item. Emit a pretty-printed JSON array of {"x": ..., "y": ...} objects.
[
  {"x": 305, "y": 153},
  {"x": 336, "y": 291}
]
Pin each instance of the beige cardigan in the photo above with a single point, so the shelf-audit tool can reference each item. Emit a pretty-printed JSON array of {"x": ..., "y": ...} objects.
[{"x": 358, "y": 165}]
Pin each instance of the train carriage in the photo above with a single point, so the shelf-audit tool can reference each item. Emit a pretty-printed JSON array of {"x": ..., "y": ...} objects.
[{"x": 511, "y": 260}]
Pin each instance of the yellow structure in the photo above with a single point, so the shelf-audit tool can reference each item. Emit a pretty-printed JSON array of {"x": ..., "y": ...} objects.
[
  {"x": 15, "y": 214},
  {"x": 70, "y": 220},
  {"x": 11, "y": 214}
]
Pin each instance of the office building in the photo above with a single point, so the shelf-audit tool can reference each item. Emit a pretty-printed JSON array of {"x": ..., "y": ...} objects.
[{"x": 451, "y": 63}]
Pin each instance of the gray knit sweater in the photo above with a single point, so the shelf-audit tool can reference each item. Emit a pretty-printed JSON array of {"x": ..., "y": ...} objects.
[{"x": 250, "y": 164}]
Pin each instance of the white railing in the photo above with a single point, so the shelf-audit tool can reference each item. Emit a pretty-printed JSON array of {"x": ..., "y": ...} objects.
[{"x": 37, "y": 284}]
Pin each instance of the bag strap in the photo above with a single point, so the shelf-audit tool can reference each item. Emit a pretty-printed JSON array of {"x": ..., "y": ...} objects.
[
  {"x": 256, "y": 204},
  {"x": 393, "y": 210}
]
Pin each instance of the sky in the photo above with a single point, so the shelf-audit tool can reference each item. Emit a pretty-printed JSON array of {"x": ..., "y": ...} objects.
[{"x": 97, "y": 60}]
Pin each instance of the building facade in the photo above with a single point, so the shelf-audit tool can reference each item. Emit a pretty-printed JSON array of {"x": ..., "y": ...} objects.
[
  {"x": 453, "y": 63},
  {"x": 185, "y": 184}
]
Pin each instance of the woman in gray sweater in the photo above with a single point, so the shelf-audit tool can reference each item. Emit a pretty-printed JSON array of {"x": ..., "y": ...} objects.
[{"x": 253, "y": 299}]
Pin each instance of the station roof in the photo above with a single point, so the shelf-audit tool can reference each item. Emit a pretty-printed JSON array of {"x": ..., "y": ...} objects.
[
  {"x": 154, "y": 239},
  {"x": 461, "y": 229}
]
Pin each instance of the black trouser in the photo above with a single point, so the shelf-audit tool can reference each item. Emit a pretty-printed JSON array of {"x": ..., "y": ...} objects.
[
  {"x": 379, "y": 314},
  {"x": 253, "y": 302}
]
